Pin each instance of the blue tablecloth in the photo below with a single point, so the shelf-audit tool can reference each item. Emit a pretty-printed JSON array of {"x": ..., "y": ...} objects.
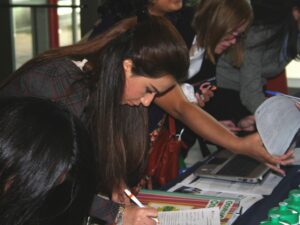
[{"x": 259, "y": 210}]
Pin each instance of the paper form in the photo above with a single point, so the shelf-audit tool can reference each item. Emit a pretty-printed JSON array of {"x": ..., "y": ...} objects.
[
  {"x": 277, "y": 121},
  {"x": 205, "y": 216}
]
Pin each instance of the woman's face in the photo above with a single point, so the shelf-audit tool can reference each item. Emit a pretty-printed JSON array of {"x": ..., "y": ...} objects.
[
  {"x": 161, "y": 7},
  {"x": 142, "y": 90},
  {"x": 230, "y": 38}
]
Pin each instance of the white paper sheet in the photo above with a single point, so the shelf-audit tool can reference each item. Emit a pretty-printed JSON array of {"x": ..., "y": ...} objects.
[
  {"x": 277, "y": 121},
  {"x": 246, "y": 199},
  {"x": 206, "y": 216}
]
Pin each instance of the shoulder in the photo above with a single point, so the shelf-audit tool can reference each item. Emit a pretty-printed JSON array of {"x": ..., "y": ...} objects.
[
  {"x": 54, "y": 68},
  {"x": 262, "y": 33},
  {"x": 43, "y": 78}
]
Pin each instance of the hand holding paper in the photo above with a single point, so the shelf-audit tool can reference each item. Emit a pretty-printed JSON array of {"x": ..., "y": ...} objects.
[{"x": 278, "y": 121}]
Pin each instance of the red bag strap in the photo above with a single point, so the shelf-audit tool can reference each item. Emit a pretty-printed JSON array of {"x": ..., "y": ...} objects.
[{"x": 172, "y": 126}]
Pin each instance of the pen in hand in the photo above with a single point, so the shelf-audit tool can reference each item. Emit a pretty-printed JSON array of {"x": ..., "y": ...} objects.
[{"x": 137, "y": 202}]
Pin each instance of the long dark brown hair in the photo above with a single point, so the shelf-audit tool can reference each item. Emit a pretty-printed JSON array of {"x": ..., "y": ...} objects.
[
  {"x": 215, "y": 18},
  {"x": 46, "y": 157},
  {"x": 120, "y": 132},
  {"x": 156, "y": 49}
]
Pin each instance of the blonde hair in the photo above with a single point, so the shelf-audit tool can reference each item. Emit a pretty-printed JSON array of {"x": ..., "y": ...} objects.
[{"x": 215, "y": 18}]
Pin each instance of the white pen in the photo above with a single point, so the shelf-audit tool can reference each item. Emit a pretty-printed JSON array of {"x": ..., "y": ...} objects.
[
  {"x": 137, "y": 202},
  {"x": 133, "y": 198}
]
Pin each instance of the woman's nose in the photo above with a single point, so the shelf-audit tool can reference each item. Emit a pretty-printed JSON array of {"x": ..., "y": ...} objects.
[
  {"x": 233, "y": 41},
  {"x": 147, "y": 99}
]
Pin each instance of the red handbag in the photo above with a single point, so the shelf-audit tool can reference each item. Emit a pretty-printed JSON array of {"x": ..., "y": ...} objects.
[{"x": 163, "y": 162}]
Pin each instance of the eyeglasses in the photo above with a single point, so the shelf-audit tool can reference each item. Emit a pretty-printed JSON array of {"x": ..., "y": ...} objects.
[
  {"x": 234, "y": 35},
  {"x": 240, "y": 36}
]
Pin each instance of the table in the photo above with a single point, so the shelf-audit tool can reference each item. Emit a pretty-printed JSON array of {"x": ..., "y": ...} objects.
[{"x": 259, "y": 210}]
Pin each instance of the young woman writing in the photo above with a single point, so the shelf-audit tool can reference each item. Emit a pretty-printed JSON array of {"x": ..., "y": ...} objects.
[{"x": 108, "y": 82}]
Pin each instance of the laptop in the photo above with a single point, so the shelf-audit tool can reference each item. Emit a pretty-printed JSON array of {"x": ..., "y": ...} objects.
[{"x": 228, "y": 166}]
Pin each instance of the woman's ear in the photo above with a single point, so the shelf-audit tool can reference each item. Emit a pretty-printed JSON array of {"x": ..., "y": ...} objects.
[{"x": 127, "y": 66}]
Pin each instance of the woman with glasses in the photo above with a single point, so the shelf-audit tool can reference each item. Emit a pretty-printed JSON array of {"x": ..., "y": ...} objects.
[{"x": 271, "y": 43}]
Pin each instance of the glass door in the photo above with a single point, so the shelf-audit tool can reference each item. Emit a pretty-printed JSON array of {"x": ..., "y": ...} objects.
[{"x": 42, "y": 24}]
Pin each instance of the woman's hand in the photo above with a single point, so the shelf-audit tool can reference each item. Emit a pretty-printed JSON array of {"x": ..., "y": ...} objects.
[
  {"x": 252, "y": 146},
  {"x": 119, "y": 196},
  {"x": 139, "y": 216},
  {"x": 230, "y": 125},
  {"x": 247, "y": 123},
  {"x": 286, "y": 159},
  {"x": 206, "y": 93}
]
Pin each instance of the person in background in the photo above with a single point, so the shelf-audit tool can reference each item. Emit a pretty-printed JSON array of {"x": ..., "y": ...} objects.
[
  {"x": 271, "y": 43},
  {"x": 181, "y": 109},
  {"x": 47, "y": 164},
  {"x": 218, "y": 27},
  {"x": 108, "y": 82}
]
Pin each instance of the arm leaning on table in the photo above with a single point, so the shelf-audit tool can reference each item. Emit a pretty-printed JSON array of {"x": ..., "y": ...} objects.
[{"x": 207, "y": 127}]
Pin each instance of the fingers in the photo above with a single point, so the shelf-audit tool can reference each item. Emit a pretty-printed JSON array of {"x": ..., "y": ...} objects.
[
  {"x": 298, "y": 105},
  {"x": 289, "y": 154},
  {"x": 287, "y": 158},
  {"x": 205, "y": 86},
  {"x": 247, "y": 123},
  {"x": 270, "y": 159},
  {"x": 290, "y": 151},
  {"x": 204, "y": 97},
  {"x": 137, "y": 216},
  {"x": 288, "y": 162},
  {"x": 274, "y": 161},
  {"x": 151, "y": 212},
  {"x": 207, "y": 94},
  {"x": 230, "y": 125},
  {"x": 276, "y": 168},
  {"x": 200, "y": 99},
  {"x": 249, "y": 128},
  {"x": 234, "y": 129}
]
